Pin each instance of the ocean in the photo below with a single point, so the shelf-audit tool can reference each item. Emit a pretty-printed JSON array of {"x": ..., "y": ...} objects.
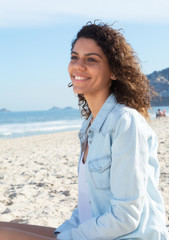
[{"x": 21, "y": 124}]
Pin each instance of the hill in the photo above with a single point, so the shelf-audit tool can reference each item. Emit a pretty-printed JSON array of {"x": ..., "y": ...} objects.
[
  {"x": 160, "y": 81},
  {"x": 4, "y": 110}
]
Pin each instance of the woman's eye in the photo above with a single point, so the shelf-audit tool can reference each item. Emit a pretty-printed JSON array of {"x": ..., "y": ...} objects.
[
  {"x": 91, "y": 60},
  {"x": 73, "y": 57}
]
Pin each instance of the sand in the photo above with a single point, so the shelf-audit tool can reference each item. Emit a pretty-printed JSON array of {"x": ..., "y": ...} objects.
[{"x": 38, "y": 176}]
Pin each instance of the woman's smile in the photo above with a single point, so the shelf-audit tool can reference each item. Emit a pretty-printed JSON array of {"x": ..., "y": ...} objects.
[{"x": 79, "y": 78}]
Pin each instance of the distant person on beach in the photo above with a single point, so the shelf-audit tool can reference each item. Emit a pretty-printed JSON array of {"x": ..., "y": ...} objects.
[
  {"x": 164, "y": 113},
  {"x": 118, "y": 196},
  {"x": 158, "y": 113}
]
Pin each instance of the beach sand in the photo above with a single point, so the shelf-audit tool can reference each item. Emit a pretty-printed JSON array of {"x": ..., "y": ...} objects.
[{"x": 38, "y": 176}]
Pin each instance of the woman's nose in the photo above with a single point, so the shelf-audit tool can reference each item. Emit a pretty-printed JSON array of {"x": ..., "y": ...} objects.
[{"x": 80, "y": 65}]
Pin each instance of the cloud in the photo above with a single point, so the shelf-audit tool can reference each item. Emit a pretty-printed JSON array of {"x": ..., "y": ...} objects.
[{"x": 15, "y": 13}]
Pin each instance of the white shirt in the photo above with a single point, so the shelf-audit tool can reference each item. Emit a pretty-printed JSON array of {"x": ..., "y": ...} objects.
[{"x": 83, "y": 201}]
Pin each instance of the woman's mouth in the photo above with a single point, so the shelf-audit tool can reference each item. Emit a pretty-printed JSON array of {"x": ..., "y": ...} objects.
[{"x": 80, "y": 78}]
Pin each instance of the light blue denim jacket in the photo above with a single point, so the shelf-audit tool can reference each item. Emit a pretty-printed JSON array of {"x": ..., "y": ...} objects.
[{"x": 122, "y": 172}]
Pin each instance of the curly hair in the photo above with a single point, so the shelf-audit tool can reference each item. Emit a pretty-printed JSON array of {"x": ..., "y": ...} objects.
[{"x": 131, "y": 87}]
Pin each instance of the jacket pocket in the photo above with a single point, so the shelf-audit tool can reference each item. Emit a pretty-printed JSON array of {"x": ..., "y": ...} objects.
[{"x": 99, "y": 170}]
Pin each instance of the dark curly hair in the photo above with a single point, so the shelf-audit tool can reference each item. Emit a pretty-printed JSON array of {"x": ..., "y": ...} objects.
[{"x": 132, "y": 86}]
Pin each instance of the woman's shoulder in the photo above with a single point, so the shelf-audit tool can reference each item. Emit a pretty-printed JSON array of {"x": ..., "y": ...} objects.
[
  {"x": 122, "y": 111},
  {"x": 123, "y": 115}
]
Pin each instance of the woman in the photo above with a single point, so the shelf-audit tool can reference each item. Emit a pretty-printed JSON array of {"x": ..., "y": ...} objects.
[{"x": 118, "y": 167}]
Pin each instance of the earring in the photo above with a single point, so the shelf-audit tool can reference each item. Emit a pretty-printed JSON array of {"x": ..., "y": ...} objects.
[
  {"x": 70, "y": 84},
  {"x": 113, "y": 77}
]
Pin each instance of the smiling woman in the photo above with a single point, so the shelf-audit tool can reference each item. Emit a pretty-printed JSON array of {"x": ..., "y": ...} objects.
[
  {"x": 118, "y": 166},
  {"x": 118, "y": 195}
]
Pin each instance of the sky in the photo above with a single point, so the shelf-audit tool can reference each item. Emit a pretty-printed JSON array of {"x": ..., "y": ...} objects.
[{"x": 36, "y": 36}]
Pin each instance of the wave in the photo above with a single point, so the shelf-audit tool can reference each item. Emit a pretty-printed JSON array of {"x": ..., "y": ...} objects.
[{"x": 26, "y": 129}]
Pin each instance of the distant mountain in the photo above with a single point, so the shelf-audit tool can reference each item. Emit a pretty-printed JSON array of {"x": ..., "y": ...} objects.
[
  {"x": 54, "y": 108},
  {"x": 57, "y": 108},
  {"x": 4, "y": 110},
  {"x": 160, "y": 81}
]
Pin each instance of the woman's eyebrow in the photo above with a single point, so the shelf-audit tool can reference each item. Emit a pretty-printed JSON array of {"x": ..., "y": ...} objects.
[
  {"x": 88, "y": 54},
  {"x": 72, "y": 52}
]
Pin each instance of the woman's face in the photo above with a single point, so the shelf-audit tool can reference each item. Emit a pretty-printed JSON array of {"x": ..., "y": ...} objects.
[{"x": 89, "y": 69}]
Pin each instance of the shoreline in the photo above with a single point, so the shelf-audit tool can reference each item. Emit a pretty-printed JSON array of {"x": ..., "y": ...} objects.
[
  {"x": 40, "y": 134},
  {"x": 38, "y": 175}
]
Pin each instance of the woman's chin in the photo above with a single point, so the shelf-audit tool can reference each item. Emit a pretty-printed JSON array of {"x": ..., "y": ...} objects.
[{"x": 77, "y": 91}]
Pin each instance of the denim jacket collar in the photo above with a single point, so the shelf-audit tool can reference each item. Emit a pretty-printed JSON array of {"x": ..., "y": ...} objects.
[{"x": 100, "y": 118}]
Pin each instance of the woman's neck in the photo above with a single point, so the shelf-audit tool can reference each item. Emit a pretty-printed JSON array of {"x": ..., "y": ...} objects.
[{"x": 95, "y": 103}]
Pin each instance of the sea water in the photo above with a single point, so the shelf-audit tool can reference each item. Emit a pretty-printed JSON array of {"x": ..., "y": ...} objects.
[{"x": 19, "y": 124}]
